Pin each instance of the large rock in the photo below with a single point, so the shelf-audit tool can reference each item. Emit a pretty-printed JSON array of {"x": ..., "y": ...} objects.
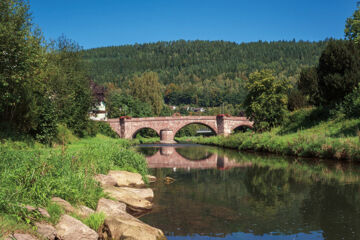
[
  {"x": 64, "y": 204},
  {"x": 125, "y": 226},
  {"x": 146, "y": 193},
  {"x": 46, "y": 231},
  {"x": 84, "y": 211},
  {"x": 151, "y": 178},
  {"x": 41, "y": 211},
  {"x": 105, "y": 180},
  {"x": 134, "y": 204},
  {"x": 127, "y": 179},
  {"x": 70, "y": 228},
  {"x": 110, "y": 207},
  {"x": 19, "y": 236}
]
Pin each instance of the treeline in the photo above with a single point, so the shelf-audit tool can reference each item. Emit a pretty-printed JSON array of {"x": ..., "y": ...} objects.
[
  {"x": 332, "y": 85},
  {"x": 41, "y": 84},
  {"x": 202, "y": 73}
]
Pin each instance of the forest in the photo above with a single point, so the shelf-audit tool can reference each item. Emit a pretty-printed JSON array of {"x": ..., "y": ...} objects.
[{"x": 200, "y": 73}]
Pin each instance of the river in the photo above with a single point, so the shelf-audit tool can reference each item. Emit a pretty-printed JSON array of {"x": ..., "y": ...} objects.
[{"x": 226, "y": 194}]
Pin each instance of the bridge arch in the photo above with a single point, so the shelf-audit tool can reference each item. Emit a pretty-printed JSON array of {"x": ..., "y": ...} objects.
[
  {"x": 133, "y": 135},
  {"x": 241, "y": 125},
  {"x": 198, "y": 123}
]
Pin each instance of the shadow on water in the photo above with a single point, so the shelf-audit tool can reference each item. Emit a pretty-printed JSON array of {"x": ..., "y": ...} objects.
[{"x": 232, "y": 195}]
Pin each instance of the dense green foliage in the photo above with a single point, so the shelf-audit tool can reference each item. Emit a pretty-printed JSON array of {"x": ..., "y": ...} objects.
[
  {"x": 34, "y": 176},
  {"x": 335, "y": 76},
  {"x": 204, "y": 73},
  {"x": 352, "y": 27},
  {"x": 69, "y": 85},
  {"x": 40, "y": 85},
  {"x": 119, "y": 104},
  {"x": 266, "y": 101},
  {"x": 147, "y": 89},
  {"x": 350, "y": 107},
  {"x": 22, "y": 61}
]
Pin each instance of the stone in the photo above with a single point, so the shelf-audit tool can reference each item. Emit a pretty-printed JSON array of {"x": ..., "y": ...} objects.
[
  {"x": 134, "y": 204},
  {"x": 124, "y": 226},
  {"x": 70, "y": 228},
  {"x": 42, "y": 211},
  {"x": 64, "y": 204},
  {"x": 127, "y": 179},
  {"x": 19, "y": 236},
  {"x": 84, "y": 211},
  {"x": 110, "y": 207},
  {"x": 30, "y": 208},
  {"x": 169, "y": 180},
  {"x": 151, "y": 179},
  {"x": 46, "y": 230},
  {"x": 146, "y": 193},
  {"x": 221, "y": 124},
  {"x": 105, "y": 180}
]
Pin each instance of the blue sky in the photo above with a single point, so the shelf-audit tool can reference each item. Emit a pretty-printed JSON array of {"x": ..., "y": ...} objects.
[{"x": 96, "y": 23}]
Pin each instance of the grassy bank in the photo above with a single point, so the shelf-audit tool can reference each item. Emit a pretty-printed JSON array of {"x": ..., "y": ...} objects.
[
  {"x": 305, "y": 135},
  {"x": 144, "y": 140},
  {"x": 33, "y": 175}
]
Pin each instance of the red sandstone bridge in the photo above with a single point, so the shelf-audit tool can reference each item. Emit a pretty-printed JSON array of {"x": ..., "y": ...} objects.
[
  {"x": 167, "y": 127},
  {"x": 168, "y": 157}
]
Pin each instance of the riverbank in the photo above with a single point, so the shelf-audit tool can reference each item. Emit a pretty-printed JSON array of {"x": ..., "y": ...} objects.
[
  {"x": 301, "y": 136},
  {"x": 33, "y": 175}
]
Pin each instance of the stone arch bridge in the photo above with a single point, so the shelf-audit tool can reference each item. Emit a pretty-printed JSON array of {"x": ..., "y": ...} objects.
[{"x": 167, "y": 127}]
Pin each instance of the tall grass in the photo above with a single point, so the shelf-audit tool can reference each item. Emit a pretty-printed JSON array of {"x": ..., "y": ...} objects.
[{"x": 34, "y": 176}]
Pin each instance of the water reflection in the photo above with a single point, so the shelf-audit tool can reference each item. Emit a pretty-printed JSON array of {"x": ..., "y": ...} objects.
[
  {"x": 188, "y": 157},
  {"x": 267, "y": 197}
]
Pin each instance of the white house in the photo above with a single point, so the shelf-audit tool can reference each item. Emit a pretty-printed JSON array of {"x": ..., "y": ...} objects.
[{"x": 99, "y": 113}]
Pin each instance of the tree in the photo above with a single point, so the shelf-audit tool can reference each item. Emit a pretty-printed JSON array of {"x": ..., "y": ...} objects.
[
  {"x": 70, "y": 86},
  {"x": 23, "y": 86},
  {"x": 338, "y": 71},
  {"x": 352, "y": 26},
  {"x": 120, "y": 104},
  {"x": 266, "y": 101},
  {"x": 308, "y": 84},
  {"x": 147, "y": 88}
]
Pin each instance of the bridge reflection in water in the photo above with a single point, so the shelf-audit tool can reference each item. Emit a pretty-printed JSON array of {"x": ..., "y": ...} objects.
[{"x": 177, "y": 157}]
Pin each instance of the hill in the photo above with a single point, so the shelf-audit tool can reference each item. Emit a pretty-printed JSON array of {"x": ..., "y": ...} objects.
[{"x": 204, "y": 73}]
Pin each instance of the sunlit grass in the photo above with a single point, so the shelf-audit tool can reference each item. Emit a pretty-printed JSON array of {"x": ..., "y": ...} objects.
[{"x": 34, "y": 175}]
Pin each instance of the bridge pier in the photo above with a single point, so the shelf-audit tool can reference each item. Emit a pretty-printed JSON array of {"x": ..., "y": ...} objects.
[{"x": 167, "y": 136}]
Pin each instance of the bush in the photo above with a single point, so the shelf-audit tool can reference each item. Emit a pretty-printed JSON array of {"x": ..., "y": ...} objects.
[
  {"x": 105, "y": 129},
  {"x": 350, "y": 107}
]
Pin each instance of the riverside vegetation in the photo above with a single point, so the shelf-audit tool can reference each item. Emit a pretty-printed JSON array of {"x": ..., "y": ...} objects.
[
  {"x": 33, "y": 175},
  {"x": 306, "y": 133}
]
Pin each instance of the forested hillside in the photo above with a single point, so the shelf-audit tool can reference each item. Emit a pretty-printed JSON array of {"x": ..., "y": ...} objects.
[{"x": 205, "y": 73}]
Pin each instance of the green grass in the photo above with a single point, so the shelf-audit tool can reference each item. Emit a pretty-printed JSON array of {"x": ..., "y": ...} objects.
[
  {"x": 143, "y": 140},
  {"x": 34, "y": 175},
  {"x": 95, "y": 221},
  {"x": 303, "y": 135},
  {"x": 55, "y": 212}
]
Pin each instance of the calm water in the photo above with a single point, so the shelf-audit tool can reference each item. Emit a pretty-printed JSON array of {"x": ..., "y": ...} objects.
[{"x": 222, "y": 194}]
